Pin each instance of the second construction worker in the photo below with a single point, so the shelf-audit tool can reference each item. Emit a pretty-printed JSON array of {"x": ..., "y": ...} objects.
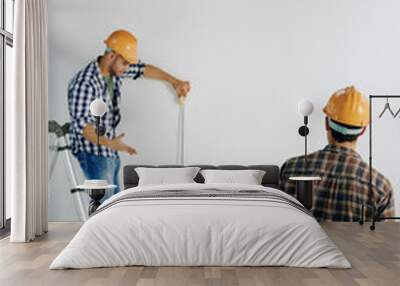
[{"x": 344, "y": 187}]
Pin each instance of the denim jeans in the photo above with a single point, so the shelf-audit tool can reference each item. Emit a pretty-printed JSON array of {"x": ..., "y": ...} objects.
[{"x": 100, "y": 168}]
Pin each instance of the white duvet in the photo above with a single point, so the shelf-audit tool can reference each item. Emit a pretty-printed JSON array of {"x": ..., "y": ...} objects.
[{"x": 200, "y": 231}]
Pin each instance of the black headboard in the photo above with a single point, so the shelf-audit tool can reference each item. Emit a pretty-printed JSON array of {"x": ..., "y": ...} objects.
[{"x": 270, "y": 179}]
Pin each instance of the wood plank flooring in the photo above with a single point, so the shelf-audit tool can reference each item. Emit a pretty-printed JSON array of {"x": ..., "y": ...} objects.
[{"x": 375, "y": 257}]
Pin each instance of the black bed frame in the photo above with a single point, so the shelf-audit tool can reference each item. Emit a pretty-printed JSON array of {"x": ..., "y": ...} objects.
[{"x": 270, "y": 179}]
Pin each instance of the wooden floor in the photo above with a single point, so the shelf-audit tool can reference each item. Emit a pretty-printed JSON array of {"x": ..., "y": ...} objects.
[{"x": 375, "y": 257}]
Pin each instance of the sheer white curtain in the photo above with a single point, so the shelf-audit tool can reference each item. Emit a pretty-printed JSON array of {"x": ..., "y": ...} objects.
[{"x": 27, "y": 123}]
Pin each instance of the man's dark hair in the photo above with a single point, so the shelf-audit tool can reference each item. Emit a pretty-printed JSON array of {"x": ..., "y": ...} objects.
[{"x": 339, "y": 137}]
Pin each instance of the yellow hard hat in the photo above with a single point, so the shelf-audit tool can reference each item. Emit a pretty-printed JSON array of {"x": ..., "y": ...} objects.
[
  {"x": 348, "y": 106},
  {"x": 123, "y": 43}
]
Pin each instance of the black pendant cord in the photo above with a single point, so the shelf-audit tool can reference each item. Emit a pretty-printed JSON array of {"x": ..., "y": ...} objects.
[
  {"x": 303, "y": 131},
  {"x": 98, "y": 134},
  {"x": 305, "y": 150}
]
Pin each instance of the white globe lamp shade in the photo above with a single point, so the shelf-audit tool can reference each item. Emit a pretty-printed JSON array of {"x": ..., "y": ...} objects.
[
  {"x": 305, "y": 107},
  {"x": 98, "y": 107}
]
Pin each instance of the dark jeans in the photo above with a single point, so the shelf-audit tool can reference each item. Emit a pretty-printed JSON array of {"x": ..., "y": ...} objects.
[{"x": 100, "y": 168}]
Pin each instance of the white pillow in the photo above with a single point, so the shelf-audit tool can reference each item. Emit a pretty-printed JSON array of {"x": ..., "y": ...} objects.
[
  {"x": 248, "y": 177},
  {"x": 165, "y": 176}
]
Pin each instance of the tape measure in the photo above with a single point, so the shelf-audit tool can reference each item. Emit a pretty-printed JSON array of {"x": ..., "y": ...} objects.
[{"x": 180, "y": 158}]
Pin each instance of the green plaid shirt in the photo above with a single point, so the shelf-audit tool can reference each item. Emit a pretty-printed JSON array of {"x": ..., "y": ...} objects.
[{"x": 344, "y": 185}]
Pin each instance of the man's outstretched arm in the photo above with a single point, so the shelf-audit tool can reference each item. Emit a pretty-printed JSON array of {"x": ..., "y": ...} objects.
[{"x": 181, "y": 87}]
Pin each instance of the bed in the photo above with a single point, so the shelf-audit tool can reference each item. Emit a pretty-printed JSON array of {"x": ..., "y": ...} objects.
[{"x": 198, "y": 224}]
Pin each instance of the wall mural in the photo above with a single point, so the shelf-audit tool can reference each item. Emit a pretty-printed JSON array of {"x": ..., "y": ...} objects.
[{"x": 221, "y": 92}]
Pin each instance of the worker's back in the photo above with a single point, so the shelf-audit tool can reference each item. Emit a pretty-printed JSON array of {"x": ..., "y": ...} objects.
[{"x": 344, "y": 185}]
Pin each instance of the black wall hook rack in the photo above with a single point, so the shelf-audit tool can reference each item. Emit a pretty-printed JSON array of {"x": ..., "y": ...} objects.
[{"x": 376, "y": 210}]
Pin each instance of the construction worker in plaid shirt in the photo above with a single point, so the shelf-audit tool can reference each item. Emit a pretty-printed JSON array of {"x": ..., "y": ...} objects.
[
  {"x": 345, "y": 176},
  {"x": 102, "y": 79}
]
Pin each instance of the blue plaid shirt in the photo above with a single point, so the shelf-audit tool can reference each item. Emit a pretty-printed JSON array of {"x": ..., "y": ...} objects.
[{"x": 87, "y": 85}]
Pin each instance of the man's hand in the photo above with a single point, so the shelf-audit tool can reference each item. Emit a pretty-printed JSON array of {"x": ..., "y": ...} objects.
[
  {"x": 89, "y": 133},
  {"x": 181, "y": 87},
  {"x": 118, "y": 145}
]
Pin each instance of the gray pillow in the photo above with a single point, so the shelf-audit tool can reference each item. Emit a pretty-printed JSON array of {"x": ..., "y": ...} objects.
[
  {"x": 248, "y": 177},
  {"x": 166, "y": 176}
]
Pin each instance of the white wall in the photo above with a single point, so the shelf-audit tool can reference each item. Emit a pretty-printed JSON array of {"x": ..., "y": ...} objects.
[{"x": 249, "y": 63}]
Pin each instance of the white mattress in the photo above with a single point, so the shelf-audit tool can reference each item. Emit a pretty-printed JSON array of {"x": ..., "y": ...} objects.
[{"x": 200, "y": 231}]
